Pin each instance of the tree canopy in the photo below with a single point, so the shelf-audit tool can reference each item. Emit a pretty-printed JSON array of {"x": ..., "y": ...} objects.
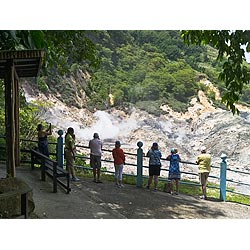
[
  {"x": 62, "y": 47},
  {"x": 231, "y": 46}
]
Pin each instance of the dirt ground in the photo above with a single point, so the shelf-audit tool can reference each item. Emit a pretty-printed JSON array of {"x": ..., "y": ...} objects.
[{"x": 89, "y": 200}]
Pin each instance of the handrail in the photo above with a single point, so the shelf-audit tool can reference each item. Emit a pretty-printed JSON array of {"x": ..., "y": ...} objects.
[{"x": 145, "y": 166}]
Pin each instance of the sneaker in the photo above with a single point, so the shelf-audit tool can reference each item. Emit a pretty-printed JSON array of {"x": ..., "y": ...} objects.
[
  {"x": 171, "y": 192},
  {"x": 75, "y": 179},
  {"x": 176, "y": 193},
  {"x": 147, "y": 187},
  {"x": 121, "y": 185},
  {"x": 155, "y": 189},
  {"x": 203, "y": 197},
  {"x": 98, "y": 181}
]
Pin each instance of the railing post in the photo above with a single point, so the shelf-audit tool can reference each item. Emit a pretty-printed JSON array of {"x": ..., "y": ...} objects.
[
  {"x": 223, "y": 180},
  {"x": 59, "y": 149},
  {"x": 139, "y": 164},
  {"x": 54, "y": 177}
]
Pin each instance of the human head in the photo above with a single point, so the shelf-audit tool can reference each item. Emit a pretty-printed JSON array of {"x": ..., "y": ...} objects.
[
  {"x": 117, "y": 144},
  {"x": 172, "y": 150},
  {"x": 203, "y": 149},
  {"x": 155, "y": 145},
  {"x": 39, "y": 127},
  {"x": 70, "y": 130},
  {"x": 96, "y": 135}
]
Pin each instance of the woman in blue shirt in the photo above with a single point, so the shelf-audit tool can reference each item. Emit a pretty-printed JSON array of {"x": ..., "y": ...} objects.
[{"x": 174, "y": 174}]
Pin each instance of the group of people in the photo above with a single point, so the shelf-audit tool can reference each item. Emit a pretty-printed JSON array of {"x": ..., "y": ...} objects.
[
  {"x": 174, "y": 174},
  {"x": 154, "y": 154},
  {"x": 95, "y": 146}
]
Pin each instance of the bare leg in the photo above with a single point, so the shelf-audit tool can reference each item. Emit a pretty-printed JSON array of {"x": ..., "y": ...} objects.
[
  {"x": 98, "y": 173},
  {"x": 177, "y": 185},
  {"x": 94, "y": 173},
  {"x": 150, "y": 181},
  {"x": 172, "y": 186},
  {"x": 155, "y": 181}
]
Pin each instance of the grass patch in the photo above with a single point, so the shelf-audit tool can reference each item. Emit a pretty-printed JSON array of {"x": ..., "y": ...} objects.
[{"x": 189, "y": 187}]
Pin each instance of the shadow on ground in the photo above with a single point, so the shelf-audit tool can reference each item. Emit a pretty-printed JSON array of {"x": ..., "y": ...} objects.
[{"x": 89, "y": 200}]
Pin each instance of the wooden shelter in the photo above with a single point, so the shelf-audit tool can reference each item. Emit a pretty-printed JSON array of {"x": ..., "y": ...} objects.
[{"x": 13, "y": 66}]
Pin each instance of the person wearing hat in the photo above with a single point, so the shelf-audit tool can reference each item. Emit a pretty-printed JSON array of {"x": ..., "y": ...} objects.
[
  {"x": 154, "y": 155},
  {"x": 204, "y": 168},
  {"x": 95, "y": 146},
  {"x": 119, "y": 161},
  {"x": 174, "y": 174}
]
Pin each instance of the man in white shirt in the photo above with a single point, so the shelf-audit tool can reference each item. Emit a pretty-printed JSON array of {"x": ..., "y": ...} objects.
[{"x": 95, "y": 146}]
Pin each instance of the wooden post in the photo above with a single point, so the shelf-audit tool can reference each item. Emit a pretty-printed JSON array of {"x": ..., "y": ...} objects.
[
  {"x": 10, "y": 119},
  {"x": 139, "y": 164},
  {"x": 223, "y": 180},
  {"x": 16, "y": 97},
  {"x": 54, "y": 177}
]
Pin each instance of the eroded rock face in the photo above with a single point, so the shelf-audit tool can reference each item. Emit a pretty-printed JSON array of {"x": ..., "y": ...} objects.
[{"x": 10, "y": 198}]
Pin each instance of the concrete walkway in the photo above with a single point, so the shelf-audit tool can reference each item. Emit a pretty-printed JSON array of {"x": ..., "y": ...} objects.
[{"x": 89, "y": 200}]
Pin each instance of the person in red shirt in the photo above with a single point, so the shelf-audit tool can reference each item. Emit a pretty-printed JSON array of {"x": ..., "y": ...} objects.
[{"x": 119, "y": 161}]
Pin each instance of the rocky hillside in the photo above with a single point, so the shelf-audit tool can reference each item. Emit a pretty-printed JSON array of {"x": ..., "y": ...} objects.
[{"x": 203, "y": 124}]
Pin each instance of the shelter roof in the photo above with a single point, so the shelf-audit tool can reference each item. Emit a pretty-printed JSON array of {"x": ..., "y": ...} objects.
[{"x": 27, "y": 62}]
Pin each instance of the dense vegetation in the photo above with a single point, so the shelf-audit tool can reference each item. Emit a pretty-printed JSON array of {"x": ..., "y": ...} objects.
[
  {"x": 142, "y": 68},
  {"x": 149, "y": 68}
]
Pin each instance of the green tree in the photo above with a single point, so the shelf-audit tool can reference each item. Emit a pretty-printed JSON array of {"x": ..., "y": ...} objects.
[
  {"x": 62, "y": 47},
  {"x": 235, "y": 72}
]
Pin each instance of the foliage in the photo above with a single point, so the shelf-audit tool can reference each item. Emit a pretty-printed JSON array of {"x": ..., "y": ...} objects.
[
  {"x": 141, "y": 66},
  {"x": 235, "y": 72},
  {"x": 62, "y": 47}
]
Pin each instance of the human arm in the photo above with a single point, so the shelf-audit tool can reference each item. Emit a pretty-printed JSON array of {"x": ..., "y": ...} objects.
[{"x": 49, "y": 131}]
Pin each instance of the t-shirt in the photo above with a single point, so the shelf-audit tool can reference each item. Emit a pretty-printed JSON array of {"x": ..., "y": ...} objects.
[
  {"x": 95, "y": 147},
  {"x": 204, "y": 161},
  {"x": 69, "y": 142},
  {"x": 118, "y": 155},
  {"x": 154, "y": 157}
]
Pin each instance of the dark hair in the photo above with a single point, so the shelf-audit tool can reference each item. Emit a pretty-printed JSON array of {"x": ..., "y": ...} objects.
[
  {"x": 96, "y": 135},
  {"x": 70, "y": 129},
  {"x": 155, "y": 145},
  {"x": 117, "y": 144},
  {"x": 39, "y": 127}
]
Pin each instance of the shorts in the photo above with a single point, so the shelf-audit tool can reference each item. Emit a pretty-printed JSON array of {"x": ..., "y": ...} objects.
[
  {"x": 69, "y": 159},
  {"x": 154, "y": 170},
  {"x": 95, "y": 161},
  {"x": 203, "y": 178}
]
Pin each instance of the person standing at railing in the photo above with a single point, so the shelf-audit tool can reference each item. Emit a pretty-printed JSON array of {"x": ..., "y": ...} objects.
[
  {"x": 95, "y": 146},
  {"x": 69, "y": 153},
  {"x": 174, "y": 174},
  {"x": 204, "y": 168},
  {"x": 119, "y": 161},
  {"x": 43, "y": 139},
  {"x": 154, "y": 155}
]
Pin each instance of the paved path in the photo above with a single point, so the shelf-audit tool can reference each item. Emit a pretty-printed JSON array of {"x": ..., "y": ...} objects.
[{"x": 89, "y": 200}]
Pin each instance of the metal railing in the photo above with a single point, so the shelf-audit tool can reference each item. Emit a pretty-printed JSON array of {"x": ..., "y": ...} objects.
[{"x": 136, "y": 161}]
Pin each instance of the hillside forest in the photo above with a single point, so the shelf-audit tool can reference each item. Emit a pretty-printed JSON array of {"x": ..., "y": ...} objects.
[{"x": 143, "y": 68}]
